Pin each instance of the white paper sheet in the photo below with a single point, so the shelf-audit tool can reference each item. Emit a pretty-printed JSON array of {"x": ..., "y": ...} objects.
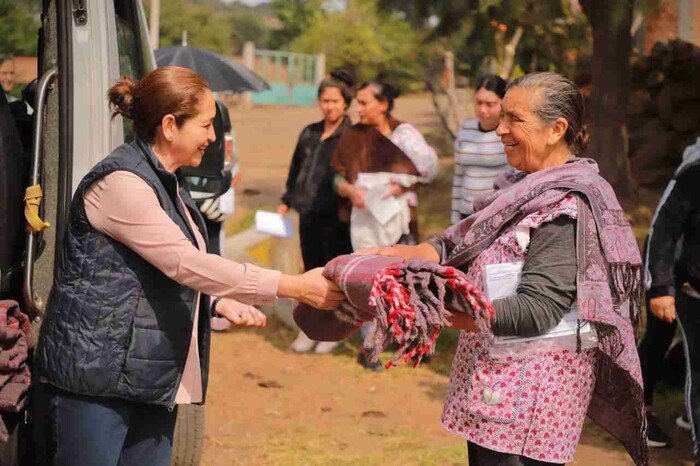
[
  {"x": 568, "y": 326},
  {"x": 271, "y": 223},
  {"x": 381, "y": 209},
  {"x": 502, "y": 280}
]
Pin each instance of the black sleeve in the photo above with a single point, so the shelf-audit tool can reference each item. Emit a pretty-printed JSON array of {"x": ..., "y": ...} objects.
[
  {"x": 446, "y": 242},
  {"x": 547, "y": 285},
  {"x": 671, "y": 216},
  {"x": 440, "y": 246},
  {"x": 294, "y": 168}
]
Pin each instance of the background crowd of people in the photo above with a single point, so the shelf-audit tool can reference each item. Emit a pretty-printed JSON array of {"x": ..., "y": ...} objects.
[{"x": 334, "y": 166}]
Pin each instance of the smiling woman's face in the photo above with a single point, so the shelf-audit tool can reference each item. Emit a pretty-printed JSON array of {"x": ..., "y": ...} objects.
[
  {"x": 192, "y": 138},
  {"x": 522, "y": 132}
]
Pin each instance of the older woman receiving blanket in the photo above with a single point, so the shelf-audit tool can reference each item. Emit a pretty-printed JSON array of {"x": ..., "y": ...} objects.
[{"x": 521, "y": 386}]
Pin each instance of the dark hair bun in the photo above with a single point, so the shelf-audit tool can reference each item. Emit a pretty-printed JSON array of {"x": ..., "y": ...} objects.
[
  {"x": 383, "y": 92},
  {"x": 493, "y": 83},
  {"x": 581, "y": 139},
  {"x": 391, "y": 91},
  {"x": 121, "y": 97},
  {"x": 344, "y": 75}
]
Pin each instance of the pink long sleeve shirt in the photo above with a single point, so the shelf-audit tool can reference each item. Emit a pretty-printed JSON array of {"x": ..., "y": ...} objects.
[{"x": 124, "y": 207}]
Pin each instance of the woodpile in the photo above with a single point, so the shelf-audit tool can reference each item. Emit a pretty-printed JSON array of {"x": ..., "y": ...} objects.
[{"x": 664, "y": 110}]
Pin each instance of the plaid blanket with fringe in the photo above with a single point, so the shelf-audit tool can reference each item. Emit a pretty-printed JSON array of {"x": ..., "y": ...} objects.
[{"x": 408, "y": 301}]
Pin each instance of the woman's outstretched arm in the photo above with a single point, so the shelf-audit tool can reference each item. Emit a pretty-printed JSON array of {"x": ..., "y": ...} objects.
[{"x": 124, "y": 207}]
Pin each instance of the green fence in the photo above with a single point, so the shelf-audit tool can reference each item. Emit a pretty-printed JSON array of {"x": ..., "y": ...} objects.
[{"x": 292, "y": 77}]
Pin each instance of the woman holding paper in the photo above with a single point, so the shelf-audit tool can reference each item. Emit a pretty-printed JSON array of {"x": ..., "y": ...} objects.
[
  {"x": 381, "y": 157},
  {"x": 125, "y": 338},
  {"x": 310, "y": 192},
  {"x": 562, "y": 342},
  {"x": 378, "y": 163}
]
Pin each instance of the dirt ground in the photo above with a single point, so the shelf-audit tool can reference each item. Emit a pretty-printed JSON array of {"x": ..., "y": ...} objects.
[{"x": 267, "y": 405}]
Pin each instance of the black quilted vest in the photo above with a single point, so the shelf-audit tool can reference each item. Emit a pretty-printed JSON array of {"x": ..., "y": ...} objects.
[{"x": 116, "y": 326}]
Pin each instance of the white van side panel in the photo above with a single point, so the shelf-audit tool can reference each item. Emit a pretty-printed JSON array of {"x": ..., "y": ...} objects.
[{"x": 95, "y": 70}]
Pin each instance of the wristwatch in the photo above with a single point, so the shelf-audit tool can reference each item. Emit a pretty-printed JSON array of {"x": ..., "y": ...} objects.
[{"x": 213, "y": 306}]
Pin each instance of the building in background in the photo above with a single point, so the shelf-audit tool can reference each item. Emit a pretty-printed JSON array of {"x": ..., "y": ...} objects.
[{"x": 674, "y": 19}]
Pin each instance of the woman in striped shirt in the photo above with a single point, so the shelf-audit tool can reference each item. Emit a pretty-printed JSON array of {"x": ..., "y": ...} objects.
[{"x": 479, "y": 154}]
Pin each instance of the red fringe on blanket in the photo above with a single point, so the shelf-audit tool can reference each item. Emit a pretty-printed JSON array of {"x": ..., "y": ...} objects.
[{"x": 390, "y": 294}]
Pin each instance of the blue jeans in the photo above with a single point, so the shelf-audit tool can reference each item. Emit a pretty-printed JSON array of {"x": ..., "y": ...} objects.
[{"x": 76, "y": 430}]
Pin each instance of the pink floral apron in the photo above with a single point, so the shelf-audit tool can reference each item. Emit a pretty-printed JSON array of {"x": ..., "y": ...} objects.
[{"x": 532, "y": 406}]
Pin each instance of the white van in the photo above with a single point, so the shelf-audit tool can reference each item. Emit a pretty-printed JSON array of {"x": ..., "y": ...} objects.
[{"x": 83, "y": 47}]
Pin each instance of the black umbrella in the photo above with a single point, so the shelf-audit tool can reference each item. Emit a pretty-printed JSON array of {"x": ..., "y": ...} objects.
[{"x": 222, "y": 74}]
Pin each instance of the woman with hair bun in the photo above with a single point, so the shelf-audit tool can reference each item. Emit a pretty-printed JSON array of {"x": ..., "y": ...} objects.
[
  {"x": 125, "y": 337},
  {"x": 381, "y": 157},
  {"x": 381, "y": 143},
  {"x": 310, "y": 192}
]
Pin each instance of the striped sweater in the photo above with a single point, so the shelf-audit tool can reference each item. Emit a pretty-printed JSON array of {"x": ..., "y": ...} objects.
[{"x": 479, "y": 159}]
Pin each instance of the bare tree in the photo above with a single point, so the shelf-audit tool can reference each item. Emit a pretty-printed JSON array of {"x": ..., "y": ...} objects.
[{"x": 509, "y": 50}]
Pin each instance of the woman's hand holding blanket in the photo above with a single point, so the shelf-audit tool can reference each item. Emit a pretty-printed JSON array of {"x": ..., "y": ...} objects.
[
  {"x": 420, "y": 251},
  {"x": 311, "y": 288}
]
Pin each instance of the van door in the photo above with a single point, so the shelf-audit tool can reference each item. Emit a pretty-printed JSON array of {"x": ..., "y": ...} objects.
[
  {"x": 91, "y": 43},
  {"x": 43, "y": 151},
  {"x": 112, "y": 43}
]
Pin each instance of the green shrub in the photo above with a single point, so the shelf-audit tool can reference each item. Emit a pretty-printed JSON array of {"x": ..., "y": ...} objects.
[{"x": 371, "y": 42}]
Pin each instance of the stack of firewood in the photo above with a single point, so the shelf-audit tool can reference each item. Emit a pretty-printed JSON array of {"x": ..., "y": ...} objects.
[{"x": 664, "y": 110}]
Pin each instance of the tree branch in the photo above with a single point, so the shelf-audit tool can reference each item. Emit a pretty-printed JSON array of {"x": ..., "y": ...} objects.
[
  {"x": 440, "y": 112},
  {"x": 509, "y": 56}
]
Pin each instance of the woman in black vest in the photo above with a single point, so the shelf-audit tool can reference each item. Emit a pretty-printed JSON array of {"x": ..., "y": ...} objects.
[{"x": 126, "y": 333}]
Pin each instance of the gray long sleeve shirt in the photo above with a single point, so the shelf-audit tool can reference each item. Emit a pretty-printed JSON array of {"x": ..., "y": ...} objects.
[
  {"x": 547, "y": 286},
  {"x": 548, "y": 283}
]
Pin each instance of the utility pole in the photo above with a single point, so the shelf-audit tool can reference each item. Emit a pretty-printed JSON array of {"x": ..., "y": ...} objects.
[{"x": 154, "y": 25}]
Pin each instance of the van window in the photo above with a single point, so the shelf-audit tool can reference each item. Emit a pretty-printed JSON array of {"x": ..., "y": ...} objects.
[
  {"x": 132, "y": 46},
  {"x": 131, "y": 61}
]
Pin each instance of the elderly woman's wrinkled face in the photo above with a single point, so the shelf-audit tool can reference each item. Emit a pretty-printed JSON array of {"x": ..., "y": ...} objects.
[
  {"x": 522, "y": 132},
  {"x": 526, "y": 138}
]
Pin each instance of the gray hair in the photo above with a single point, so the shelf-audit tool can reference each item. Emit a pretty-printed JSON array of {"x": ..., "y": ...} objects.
[
  {"x": 560, "y": 99},
  {"x": 6, "y": 57}
]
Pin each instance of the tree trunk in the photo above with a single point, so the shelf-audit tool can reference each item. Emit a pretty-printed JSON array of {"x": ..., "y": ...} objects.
[
  {"x": 442, "y": 113},
  {"x": 450, "y": 88},
  {"x": 611, "y": 21},
  {"x": 509, "y": 54}
]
